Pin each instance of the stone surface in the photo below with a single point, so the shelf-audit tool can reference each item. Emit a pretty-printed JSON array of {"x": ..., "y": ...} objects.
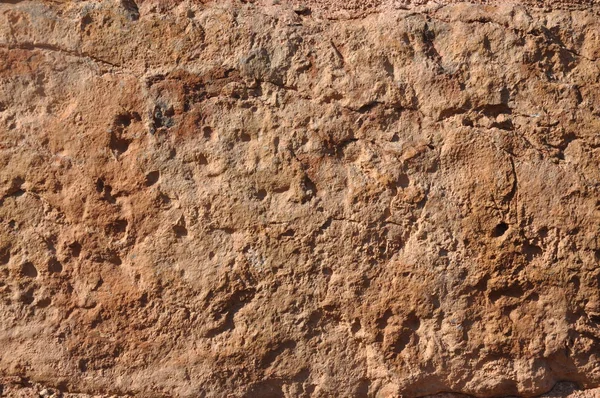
[{"x": 284, "y": 199}]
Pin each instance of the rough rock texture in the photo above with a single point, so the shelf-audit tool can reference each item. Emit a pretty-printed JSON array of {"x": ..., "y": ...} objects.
[
  {"x": 274, "y": 199},
  {"x": 18, "y": 387}
]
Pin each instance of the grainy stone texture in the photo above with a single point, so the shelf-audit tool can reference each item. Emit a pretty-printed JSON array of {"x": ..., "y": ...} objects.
[{"x": 275, "y": 199}]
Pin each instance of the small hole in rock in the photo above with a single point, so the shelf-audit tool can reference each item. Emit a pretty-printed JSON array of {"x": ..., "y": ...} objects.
[
  {"x": 201, "y": 159},
  {"x": 107, "y": 196},
  {"x": 384, "y": 320},
  {"x": 531, "y": 251},
  {"x": 119, "y": 144},
  {"x": 180, "y": 230},
  {"x": 75, "y": 249},
  {"x": 43, "y": 303},
  {"x": 513, "y": 291},
  {"x": 500, "y": 229},
  {"x": 482, "y": 284},
  {"x": 412, "y": 322},
  {"x": 467, "y": 122},
  {"x": 143, "y": 300},
  {"x": 576, "y": 282},
  {"x": 281, "y": 189},
  {"x": 114, "y": 258},
  {"x": 85, "y": 21},
  {"x": 131, "y": 9},
  {"x": 355, "y": 326},
  {"x": 403, "y": 181},
  {"x": 261, "y": 194},
  {"x": 533, "y": 297},
  {"x": 245, "y": 137},
  {"x": 164, "y": 199},
  {"x": 27, "y": 297},
  {"x": 152, "y": 178},
  {"x": 54, "y": 266},
  {"x": 207, "y": 131},
  {"x": 119, "y": 226},
  {"x": 302, "y": 10},
  {"x": 29, "y": 270},
  {"x": 4, "y": 255},
  {"x": 99, "y": 185},
  {"x": 123, "y": 120}
]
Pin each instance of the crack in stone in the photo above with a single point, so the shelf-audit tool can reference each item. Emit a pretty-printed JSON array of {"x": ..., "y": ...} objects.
[{"x": 50, "y": 47}]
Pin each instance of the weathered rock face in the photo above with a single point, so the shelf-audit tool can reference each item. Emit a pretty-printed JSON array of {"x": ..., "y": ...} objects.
[{"x": 265, "y": 199}]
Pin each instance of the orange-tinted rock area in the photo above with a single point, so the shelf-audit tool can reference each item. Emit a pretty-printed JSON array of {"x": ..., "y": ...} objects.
[{"x": 284, "y": 199}]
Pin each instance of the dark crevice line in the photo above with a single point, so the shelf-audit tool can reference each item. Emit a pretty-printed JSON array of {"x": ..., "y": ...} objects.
[{"x": 49, "y": 47}]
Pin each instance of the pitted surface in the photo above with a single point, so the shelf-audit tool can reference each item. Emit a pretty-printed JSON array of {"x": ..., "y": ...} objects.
[{"x": 281, "y": 199}]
